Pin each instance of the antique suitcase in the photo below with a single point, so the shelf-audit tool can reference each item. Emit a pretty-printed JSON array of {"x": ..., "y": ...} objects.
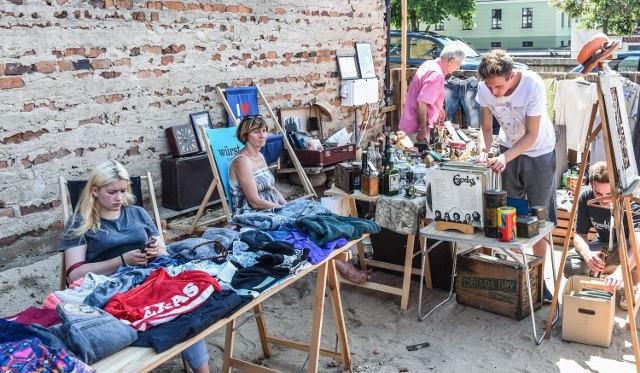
[
  {"x": 326, "y": 157},
  {"x": 497, "y": 285},
  {"x": 185, "y": 181}
]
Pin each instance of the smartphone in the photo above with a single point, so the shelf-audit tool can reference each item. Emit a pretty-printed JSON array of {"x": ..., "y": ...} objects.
[{"x": 147, "y": 244}]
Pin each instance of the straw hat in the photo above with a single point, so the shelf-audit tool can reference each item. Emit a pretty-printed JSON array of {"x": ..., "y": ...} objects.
[
  {"x": 595, "y": 50},
  {"x": 325, "y": 109}
]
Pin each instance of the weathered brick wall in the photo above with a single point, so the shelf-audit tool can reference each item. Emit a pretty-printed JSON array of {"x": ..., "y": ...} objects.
[{"x": 85, "y": 81}]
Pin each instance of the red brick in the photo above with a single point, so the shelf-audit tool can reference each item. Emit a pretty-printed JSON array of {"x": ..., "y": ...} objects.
[
  {"x": 17, "y": 69},
  {"x": 8, "y": 241},
  {"x": 157, "y": 72},
  {"x": 155, "y": 17},
  {"x": 95, "y": 52},
  {"x": 30, "y": 135},
  {"x": 28, "y": 108},
  {"x": 44, "y": 67},
  {"x": 109, "y": 4},
  {"x": 4, "y": 164},
  {"x": 75, "y": 51},
  {"x": 154, "y": 104},
  {"x": 280, "y": 11},
  {"x": 144, "y": 74},
  {"x": 216, "y": 57},
  {"x": 90, "y": 121},
  {"x": 43, "y": 158},
  {"x": 65, "y": 66},
  {"x": 101, "y": 100},
  {"x": 174, "y": 5},
  {"x": 157, "y": 5},
  {"x": 152, "y": 49},
  {"x": 26, "y": 210},
  {"x": 139, "y": 16},
  {"x": 122, "y": 62},
  {"x": 84, "y": 75},
  {"x": 9, "y": 83},
  {"x": 193, "y": 7},
  {"x": 165, "y": 60},
  {"x": 1, "y": 69},
  {"x": 115, "y": 98},
  {"x": 124, "y": 4},
  {"x": 100, "y": 64}
]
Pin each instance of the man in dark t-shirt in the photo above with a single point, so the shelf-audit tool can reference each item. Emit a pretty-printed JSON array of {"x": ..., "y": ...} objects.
[{"x": 583, "y": 259}]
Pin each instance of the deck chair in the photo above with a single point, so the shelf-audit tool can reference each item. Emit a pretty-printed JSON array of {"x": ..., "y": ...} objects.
[
  {"x": 70, "y": 191},
  {"x": 221, "y": 145}
]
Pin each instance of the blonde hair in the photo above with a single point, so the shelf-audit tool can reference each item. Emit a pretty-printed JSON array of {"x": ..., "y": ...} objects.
[
  {"x": 495, "y": 63},
  {"x": 88, "y": 208},
  {"x": 248, "y": 124}
]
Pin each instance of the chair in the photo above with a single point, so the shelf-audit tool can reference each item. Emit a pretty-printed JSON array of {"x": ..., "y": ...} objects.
[
  {"x": 221, "y": 146},
  {"x": 70, "y": 191}
]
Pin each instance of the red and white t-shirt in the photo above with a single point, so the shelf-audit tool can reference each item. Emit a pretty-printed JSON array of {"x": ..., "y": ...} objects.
[{"x": 162, "y": 298}]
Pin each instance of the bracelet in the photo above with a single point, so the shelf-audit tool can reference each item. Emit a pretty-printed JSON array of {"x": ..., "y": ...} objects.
[{"x": 122, "y": 258}]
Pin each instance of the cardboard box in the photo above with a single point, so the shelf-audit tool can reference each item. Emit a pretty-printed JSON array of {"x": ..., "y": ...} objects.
[
  {"x": 497, "y": 285},
  {"x": 326, "y": 157},
  {"x": 585, "y": 319}
]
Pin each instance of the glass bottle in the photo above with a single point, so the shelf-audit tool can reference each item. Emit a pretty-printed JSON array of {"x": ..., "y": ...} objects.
[{"x": 391, "y": 180}]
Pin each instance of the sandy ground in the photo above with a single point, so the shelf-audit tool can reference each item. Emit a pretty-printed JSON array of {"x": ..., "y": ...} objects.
[{"x": 461, "y": 338}]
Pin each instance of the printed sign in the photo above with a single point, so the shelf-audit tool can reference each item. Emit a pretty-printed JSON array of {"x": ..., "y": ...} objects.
[{"x": 224, "y": 146}]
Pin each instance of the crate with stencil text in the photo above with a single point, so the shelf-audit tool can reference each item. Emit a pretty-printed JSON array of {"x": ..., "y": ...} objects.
[{"x": 494, "y": 282}]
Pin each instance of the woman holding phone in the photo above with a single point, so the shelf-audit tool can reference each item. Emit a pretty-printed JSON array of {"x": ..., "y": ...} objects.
[{"x": 108, "y": 231}]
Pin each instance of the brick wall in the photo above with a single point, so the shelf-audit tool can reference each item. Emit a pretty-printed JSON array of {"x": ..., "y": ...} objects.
[{"x": 85, "y": 81}]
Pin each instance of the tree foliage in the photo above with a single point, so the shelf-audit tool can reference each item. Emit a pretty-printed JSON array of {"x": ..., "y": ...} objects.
[
  {"x": 423, "y": 13},
  {"x": 610, "y": 16}
]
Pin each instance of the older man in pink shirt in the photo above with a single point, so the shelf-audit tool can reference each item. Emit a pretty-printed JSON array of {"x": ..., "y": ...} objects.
[{"x": 423, "y": 107}]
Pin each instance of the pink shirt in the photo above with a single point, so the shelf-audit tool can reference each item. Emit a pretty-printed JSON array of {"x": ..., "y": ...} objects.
[{"x": 426, "y": 86}]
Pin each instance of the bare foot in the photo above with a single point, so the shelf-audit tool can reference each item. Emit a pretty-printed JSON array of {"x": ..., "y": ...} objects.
[{"x": 351, "y": 273}]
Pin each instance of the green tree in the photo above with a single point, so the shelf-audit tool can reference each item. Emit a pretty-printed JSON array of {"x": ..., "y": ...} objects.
[
  {"x": 611, "y": 16},
  {"x": 430, "y": 12}
]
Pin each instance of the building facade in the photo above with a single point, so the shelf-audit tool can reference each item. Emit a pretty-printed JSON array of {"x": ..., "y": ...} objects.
[{"x": 513, "y": 24}]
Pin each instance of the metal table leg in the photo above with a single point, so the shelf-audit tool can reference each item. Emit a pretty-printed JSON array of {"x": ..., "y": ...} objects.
[{"x": 425, "y": 252}]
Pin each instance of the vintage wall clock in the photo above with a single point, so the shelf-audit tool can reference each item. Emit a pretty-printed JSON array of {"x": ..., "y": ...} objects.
[{"x": 182, "y": 140}]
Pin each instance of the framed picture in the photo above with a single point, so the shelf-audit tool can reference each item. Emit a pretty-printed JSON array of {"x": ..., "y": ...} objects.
[
  {"x": 365, "y": 61},
  {"x": 347, "y": 67},
  {"x": 295, "y": 119},
  {"x": 200, "y": 119},
  {"x": 618, "y": 124}
]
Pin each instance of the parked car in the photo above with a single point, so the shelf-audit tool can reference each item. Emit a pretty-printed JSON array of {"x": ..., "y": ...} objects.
[
  {"x": 622, "y": 62},
  {"x": 424, "y": 47}
]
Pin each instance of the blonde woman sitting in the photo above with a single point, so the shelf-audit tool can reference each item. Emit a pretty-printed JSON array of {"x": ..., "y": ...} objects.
[
  {"x": 252, "y": 186},
  {"x": 107, "y": 231}
]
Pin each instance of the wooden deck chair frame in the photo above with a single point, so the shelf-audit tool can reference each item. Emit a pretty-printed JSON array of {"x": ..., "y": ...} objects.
[
  {"x": 67, "y": 211},
  {"x": 215, "y": 183}
]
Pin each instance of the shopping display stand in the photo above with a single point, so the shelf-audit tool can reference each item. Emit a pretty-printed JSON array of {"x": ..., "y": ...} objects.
[{"x": 621, "y": 193}]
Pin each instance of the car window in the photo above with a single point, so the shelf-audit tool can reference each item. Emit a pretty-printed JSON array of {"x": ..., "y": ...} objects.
[
  {"x": 468, "y": 51},
  {"x": 423, "y": 48},
  {"x": 628, "y": 64},
  {"x": 395, "y": 47}
]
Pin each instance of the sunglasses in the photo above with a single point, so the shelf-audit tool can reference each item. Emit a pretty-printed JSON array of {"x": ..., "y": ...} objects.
[
  {"x": 217, "y": 247},
  {"x": 252, "y": 120}
]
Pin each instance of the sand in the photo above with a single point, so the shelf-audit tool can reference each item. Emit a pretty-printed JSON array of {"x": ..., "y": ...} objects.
[{"x": 461, "y": 338}]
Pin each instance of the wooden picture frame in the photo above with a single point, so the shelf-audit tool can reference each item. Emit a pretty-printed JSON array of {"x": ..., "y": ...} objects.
[
  {"x": 199, "y": 119},
  {"x": 296, "y": 116},
  {"x": 365, "y": 61},
  {"x": 347, "y": 66},
  {"x": 621, "y": 139}
]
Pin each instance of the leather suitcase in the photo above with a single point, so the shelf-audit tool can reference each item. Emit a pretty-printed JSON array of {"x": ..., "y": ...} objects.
[
  {"x": 185, "y": 181},
  {"x": 326, "y": 157}
]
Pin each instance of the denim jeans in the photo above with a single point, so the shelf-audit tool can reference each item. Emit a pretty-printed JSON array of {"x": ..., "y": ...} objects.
[
  {"x": 92, "y": 336},
  {"x": 461, "y": 91}
]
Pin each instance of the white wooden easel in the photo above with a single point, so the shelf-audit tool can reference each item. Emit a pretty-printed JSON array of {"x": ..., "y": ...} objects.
[{"x": 621, "y": 201}]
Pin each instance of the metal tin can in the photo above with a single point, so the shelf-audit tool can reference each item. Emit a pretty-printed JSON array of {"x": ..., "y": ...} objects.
[
  {"x": 507, "y": 228},
  {"x": 492, "y": 200},
  {"x": 538, "y": 212}
]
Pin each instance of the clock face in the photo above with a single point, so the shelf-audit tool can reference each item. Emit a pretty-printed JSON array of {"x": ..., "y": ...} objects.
[
  {"x": 186, "y": 140},
  {"x": 182, "y": 140}
]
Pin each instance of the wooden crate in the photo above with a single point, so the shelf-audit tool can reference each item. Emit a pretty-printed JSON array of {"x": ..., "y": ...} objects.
[
  {"x": 498, "y": 285},
  {"x": 560, "y": 230}
]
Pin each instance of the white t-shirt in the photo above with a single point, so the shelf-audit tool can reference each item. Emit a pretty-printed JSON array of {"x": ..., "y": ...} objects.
[
  {"x": 528, "y": 99},
  {"x": 572, "y": 104}
]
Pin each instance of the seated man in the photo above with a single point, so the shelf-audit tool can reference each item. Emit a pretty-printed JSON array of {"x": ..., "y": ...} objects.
[
  {"x": 252, "y": 186},
  {"x": 583, "y": 259}
]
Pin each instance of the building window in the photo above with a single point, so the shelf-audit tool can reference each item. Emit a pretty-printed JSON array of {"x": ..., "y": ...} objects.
[
  {"x": 562, "y": 43},
  {"x": 568, "y": 21},
  {"x": 527, "y": 44},
  {"x": 527, "y": 17},
  {"x": 496, "y": 44},
  {"x": 439, "y": 26},
  {"x": 496, "y": 18},
  {"x": 561, "y": 19}
]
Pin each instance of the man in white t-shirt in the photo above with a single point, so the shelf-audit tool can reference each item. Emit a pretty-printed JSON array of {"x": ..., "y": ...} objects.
[{"x": 527, "y": 160}]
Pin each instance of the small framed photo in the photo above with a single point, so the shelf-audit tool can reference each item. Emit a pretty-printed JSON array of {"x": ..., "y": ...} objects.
[
  {"x": 347, "y": 66},
  {"x": 197, "y": 120},
  {"x": 365, "y": 61}
]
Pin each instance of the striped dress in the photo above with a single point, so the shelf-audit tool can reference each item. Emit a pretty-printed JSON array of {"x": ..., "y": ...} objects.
[{"x": 265, "y": 182}]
